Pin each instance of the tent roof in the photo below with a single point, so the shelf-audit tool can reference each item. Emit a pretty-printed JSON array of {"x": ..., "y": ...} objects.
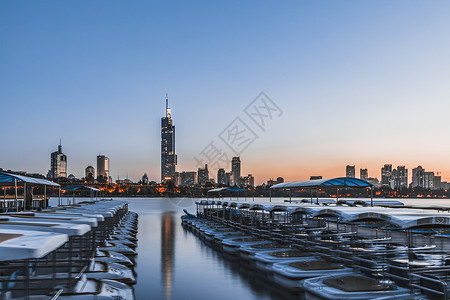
[
  {"x": 338, "y": 182},
  {"x": 80, "y": 188},
  {"x": 6, "y": 178},
  {"x": 231, "y": 189}
]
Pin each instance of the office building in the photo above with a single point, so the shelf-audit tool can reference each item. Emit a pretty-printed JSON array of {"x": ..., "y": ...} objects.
[
  {"x": 144, "y": 179},
  {"x": 228, "y": 179},
  {"x": 188, "y": 178},
  {"x": 400, "y": 177},
  {"x": 418, "y": 177},
  {"x": 89, "y": 172},
  {"x": 437, "y": 182},
  {"x": 58, "y": 164},
  {"x": 248, "y": 181},
  {"x": 203, "y": 175},
  {"x": 386, "y": 176},
  {"x": 221, "y": 177},
  {"x": 168, "y": 156},
  {"x": 428, "y": 180},
  {"x": 236, "y": 170},
  {"x": 350, "y": 171},
  {"x": 363, "y": 174},
  {"x": 103, "y": 168}
]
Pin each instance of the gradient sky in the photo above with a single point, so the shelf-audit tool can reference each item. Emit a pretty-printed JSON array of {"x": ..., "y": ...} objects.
[{"x": 359, "y": 82}]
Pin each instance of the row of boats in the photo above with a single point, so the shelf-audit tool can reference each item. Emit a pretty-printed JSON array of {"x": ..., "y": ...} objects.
[
  {"x": 83, "y": 251},
  {"x": 326, "y": 256}
]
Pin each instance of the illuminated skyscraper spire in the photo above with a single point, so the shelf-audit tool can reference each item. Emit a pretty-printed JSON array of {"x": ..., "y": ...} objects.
[{"x": 168, "y": 156}]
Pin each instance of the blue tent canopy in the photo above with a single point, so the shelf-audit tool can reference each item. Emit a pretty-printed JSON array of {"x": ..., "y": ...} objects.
[
  {"x": 80, "y": 188},
  {"x": 340, "y": 182},
  {"x": 6, "y": 179}
]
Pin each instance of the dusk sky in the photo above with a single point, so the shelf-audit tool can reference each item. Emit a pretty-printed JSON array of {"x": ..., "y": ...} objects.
[{"x": 358, "y": 82}]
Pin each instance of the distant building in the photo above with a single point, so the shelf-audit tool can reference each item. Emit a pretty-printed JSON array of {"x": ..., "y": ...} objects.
[
  {"x": 203, "y": 175},
  {"x": 144, "y": 179},
  {"x": 103, "y": 167},
  {"x": 418, "y": 177},
  {"x": 363, "y": 174},
  {"x": 221, "y": 177},
  {"x": 168, "y": 156},
  {"x": 437, "y": 182},
  {"x": 315, "y": 177},
  {"x": 271, "y": 182},
  {"x": 228, "y": 179},
  {"x": 71, "y": 177},
  {"x": 280, "y": 180},
  {"x": 248, "y": 180},
  {"x": 373, "y": 181},
  {"x": 58, "y": 164},
  {"x": 428, "y": 180},
  {"x": 400, "y": 177},
  {"x": 350, "y": 171},
  {"x": 188, "y": 178},
  {"x": 89, "y": 172},
  {"x": 125, "y": 181},
  {"x": 236, "y": 170},
  {"x": 386, "y": 176}
]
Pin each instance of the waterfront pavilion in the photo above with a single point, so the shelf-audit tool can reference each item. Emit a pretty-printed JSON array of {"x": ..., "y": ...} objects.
[
  {"x": 28, "y": 203},
  {"x": 93, "y": 192},
  {"x": 333, "y": 183}
]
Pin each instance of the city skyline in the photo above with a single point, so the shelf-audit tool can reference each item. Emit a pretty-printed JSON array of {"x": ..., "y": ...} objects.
[{"x": 347, "y": 76}]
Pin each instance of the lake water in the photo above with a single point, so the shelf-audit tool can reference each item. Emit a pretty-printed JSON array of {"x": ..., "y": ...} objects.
[{"x": 173, "y": 263}]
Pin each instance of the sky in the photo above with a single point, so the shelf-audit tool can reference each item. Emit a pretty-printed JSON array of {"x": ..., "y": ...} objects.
[{"x": 355, "y": 82}]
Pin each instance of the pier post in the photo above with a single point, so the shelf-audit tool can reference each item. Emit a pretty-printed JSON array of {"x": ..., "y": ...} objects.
[
  {"x": 270, "y": 194},
  {"x": 15, "y": 189},
  {"x": 290, "y": 195},
  {"x": 371, "y": 196}
]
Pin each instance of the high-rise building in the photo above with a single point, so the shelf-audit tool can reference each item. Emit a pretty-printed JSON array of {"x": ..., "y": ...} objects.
[
  {"x": 386, "y": 176},
  {"x": 228, "y": 179},
  {"x": 363, "y": 174},
  {"x": 168, "y": 156},
  {"x": 221, "y": 177},
  {"x": 418, "y": 176},
  {"x": 236, "y": 170},
  {"x": 58, "y": 164},
  {"x": 248, "y": 180},
  {"x": 89, "y": 172},
  {"x": 280, "y": 180},
  {"x": 350, "y": 171},
  {"x": 401, "y": 177},
  {"x": 188, "y": 178},
  {"x": 437, "y": 182},
  {"x": 203, "y": 175},
  {"x": 103, "y": 167},
  {"x": 428, "y": 180}
]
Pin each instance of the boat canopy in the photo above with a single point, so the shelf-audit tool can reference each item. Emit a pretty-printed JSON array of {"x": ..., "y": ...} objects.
[
  {"x": 80, "y": 188},
  {"x": 339, "y": 182},
  {"x": 229, "y": 189},
  {"x": 7, "y": 179}
]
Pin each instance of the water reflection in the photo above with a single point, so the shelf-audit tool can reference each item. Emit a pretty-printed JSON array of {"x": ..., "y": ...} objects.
[{"x": 167, "y": 252}]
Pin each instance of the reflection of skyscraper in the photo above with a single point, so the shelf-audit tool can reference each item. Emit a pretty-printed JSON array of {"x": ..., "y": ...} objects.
[
  {"x": 58, "y": 164},
  {"x": 167, "y": 252},
  {"x": 168, "y": 156}
]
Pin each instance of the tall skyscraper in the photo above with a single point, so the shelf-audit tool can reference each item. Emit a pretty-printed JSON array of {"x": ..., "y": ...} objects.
[
  {"x": 221, "y": 176},
  {"x": 418, "y": 176},
  {"x": 103, "y": 167},
  {"x": 58, "y": 164},
  {"x": 401, "y": 177},
  {"x": 350, "y": 171},
  {"x": 236, "y": 170},
  {"x": 386, "y": 176},
  {"x": 228, "y": 179},
  {"x": 168, "y": 156},
  {"x": 363, "y": 174},
  {"x": 203, "y": 175}
]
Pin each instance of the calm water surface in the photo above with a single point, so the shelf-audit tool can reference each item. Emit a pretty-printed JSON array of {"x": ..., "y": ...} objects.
[{"x": 173, "y": 263}]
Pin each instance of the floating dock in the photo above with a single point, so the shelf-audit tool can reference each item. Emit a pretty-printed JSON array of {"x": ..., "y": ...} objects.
[
  {"x": 81, "y": 251},
  {"x": 332, "y": 251}
]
